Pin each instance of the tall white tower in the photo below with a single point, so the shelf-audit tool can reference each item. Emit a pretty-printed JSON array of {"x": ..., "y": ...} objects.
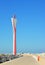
[{"x": 13, "y": 19}]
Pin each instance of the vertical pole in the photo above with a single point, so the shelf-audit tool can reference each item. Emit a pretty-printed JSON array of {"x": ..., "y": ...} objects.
[
  {"x": 14, "y": 50},
  {"x": 14, "y": 34}
]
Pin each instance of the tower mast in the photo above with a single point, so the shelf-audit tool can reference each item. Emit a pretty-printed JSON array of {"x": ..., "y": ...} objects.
[{"x": 13, "y": 19}]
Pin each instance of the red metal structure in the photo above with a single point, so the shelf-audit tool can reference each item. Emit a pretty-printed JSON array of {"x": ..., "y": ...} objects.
[{"x": 13, "y": 19}]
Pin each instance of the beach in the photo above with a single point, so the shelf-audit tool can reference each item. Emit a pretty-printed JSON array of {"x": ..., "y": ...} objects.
[{"x": 26, "y": 59}]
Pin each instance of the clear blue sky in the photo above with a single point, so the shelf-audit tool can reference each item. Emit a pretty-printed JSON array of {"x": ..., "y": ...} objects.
[{"x": 30, "y": 16}]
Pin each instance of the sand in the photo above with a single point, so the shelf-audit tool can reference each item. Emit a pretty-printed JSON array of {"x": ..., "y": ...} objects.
[
  {"x": 25, "y": 60},
  {"x": 42, "y": 60}
]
